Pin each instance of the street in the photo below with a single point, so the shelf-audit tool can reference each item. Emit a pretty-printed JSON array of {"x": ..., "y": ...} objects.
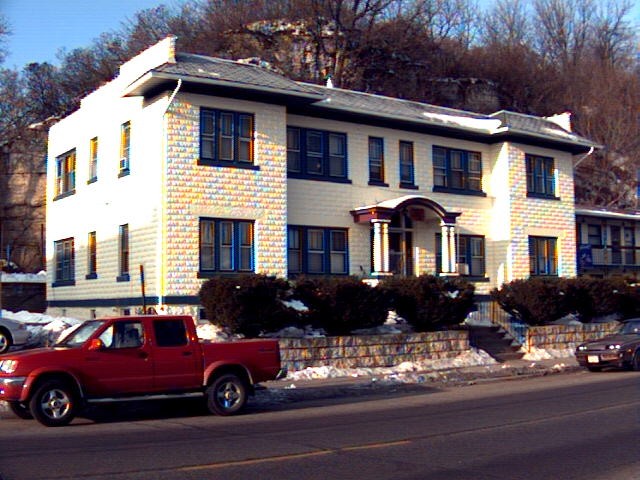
[{"x": 566, "y": 426}]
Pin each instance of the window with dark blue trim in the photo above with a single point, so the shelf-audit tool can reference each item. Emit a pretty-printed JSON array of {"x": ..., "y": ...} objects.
[
  {"x": 407, "y": 175},
  {"x": 123, "y": 253},
  {"x": 457, "y": 171},
  {"x": 543, "y": 258},
  {"x": 540, "y": 176},
  {"x": 316, "y": 154},
  {"x": 376, "y": 161},
  {"x": 317, "y": 250},
  {"x": 226, "y": 138},
  {"x": 471, "y": 255},
  {"x": 65, "y": 174},
  {"x": 64, "y": 262},
  {"x": 226, "y": 245}
]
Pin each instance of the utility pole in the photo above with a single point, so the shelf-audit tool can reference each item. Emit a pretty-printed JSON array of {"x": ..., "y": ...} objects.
[{"x": 3, "y": 263}]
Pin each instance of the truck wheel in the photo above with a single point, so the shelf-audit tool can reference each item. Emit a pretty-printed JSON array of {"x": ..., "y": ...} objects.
[
  {"x": 226, "y": 395},
  {"x": 53, "y": 404},
  {"x": 20, "y": 410},
  {"x": 5, "y": 341}
]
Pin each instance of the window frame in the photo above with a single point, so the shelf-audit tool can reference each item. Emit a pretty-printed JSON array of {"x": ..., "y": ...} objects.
[
  {"x": 406, "y": 163},
  {"x": 376, "y": 162},
  {"x": 64, "y": 262},
  {"x": 465, "y": 255},
  {"x": 123, "y": 253},
  {"x": 325, "y": 156},
  {"x": 124, "y": 166},
  {"x": 93, "y": 160},
  {"x": 303, "y": 250},
  {"x": 446, "y": 170},
  {"x": 92, "y": 256},
  {"x": 541, "y": 176},
  {"x": 241, "y": 249},
  {"x": 235, "y": 137},
  {"x": 65, "y": 174},
  {"x": 550, "y": 246}
]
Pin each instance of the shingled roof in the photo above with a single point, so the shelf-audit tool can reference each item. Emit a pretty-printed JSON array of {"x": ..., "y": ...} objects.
[{"x": 214, "y": 75}]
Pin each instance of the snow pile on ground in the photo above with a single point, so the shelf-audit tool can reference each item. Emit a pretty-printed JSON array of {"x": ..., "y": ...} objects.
[
  {"x": 402, "y": 371},
  {"x": 43, "y": 329},
  {"x": 548, "y": 353},
  {"x": 40, "y": 277}
]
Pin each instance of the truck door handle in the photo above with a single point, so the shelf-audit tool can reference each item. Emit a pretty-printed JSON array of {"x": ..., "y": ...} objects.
[
  {"x": 143, "y": 355},
  {"x": 187, "y": 353}
]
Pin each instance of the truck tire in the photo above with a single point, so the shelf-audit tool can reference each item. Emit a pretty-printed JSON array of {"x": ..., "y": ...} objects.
[
  {"x": 20, "y": 410},
  {"x": 227, "y": 395},
  {"x": 5, "y": 340},
  {"x": 54, "y": 403}
]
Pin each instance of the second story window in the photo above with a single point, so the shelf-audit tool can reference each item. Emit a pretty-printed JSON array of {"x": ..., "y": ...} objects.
[
  {"x": 123, "y": 253},
  {"x": 316, "y": 154},
  {"x": 93, "y": 160},
  {"x": 540, "y": 176},
  {"x": 457, "y": 171},
  {"x": 125, "y": 149},
  {"x": 407, "y": 176},
  {"x": 66, "y": 174},
  {"x": 376, "y": 161},
  {"x": 226, "y": 138}
]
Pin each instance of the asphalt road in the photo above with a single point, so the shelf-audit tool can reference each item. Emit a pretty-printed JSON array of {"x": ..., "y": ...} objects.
[{"x": 567, "y": 426}]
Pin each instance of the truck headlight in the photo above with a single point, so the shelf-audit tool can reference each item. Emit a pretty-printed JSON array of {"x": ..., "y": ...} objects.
[{"x": 8, "y": 366}]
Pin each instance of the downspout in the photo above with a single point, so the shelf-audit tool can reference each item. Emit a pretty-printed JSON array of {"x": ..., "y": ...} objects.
[
  {"x": 160, "y": 238},
  {"x": 585, "y": 156}
]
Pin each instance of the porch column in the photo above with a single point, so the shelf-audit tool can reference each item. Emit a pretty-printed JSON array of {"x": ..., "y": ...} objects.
[
  {"x": 449, "y": 254},
  {"x": 380, "y": 247}
]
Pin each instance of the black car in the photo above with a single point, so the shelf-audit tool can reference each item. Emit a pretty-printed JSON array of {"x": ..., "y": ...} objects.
[{"x": 621, "y": 350}]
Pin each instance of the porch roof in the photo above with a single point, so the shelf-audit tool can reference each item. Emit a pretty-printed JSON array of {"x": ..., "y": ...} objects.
[{"x": 385, "y": 209}]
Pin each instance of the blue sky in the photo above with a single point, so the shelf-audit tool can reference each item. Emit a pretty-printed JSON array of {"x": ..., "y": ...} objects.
[{"x": 41, "y": 27}]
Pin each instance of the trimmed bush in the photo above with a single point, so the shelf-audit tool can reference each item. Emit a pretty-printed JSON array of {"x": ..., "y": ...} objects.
[
  {"x": 535, "y": 301},
  {"x": 430, "y": 303},
  {"x": 248, "y": 304},
  {"x": 340, "y": 305}
]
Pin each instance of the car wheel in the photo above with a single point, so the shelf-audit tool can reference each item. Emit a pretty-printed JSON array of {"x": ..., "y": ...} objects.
[
  {"x": 5, "y": 341},
  {"x": 635, "y": 363},
  {"x": 226, "y": 395},
  {"x": 53, "y": 404},
  {"x": 20, "y": 410}
]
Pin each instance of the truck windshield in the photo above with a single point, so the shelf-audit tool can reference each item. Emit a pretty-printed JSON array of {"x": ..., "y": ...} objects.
[{"x": 81, "y": 334}]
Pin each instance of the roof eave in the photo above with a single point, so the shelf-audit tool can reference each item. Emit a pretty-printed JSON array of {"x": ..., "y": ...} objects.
[{"x": 153, "y": 79}]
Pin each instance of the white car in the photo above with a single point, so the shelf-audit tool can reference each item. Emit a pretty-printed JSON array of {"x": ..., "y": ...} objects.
[{"x": 12, "y": 333}]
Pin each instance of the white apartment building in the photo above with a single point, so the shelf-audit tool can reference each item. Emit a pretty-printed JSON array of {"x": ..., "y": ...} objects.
[{"x": 185, "y": 167}]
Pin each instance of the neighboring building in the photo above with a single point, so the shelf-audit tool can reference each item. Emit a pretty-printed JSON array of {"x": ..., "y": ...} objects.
[
  {"x": 607, "y": 242},
  {"x": 22, "y": 200},
  {"x": 193, "y": 167}
]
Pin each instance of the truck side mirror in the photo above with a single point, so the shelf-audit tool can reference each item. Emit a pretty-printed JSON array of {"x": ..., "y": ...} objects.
[{"x": 95, "y": 345}]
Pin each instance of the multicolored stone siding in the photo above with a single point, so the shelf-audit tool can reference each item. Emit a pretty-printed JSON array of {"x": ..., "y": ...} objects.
[
  {"x": 195, "y": 191},
  {"x": 559, "y": 337},
  {"x": 541, "y": 217},
  {"x": 371, "y": 350}
]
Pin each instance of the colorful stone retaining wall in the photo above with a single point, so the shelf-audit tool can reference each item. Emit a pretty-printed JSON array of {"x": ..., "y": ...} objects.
[
  {"x": 559, "y": 337},
  {"x": 371, "y": 350}
]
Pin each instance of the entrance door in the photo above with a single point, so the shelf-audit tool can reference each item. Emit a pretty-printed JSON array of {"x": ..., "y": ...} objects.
[{"x": 401, "y": 244}]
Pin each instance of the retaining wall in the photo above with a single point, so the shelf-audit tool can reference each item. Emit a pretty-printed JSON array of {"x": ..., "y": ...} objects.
[
  {"x": 371, "y": 350},
  {"x": 561, "y": 337}
]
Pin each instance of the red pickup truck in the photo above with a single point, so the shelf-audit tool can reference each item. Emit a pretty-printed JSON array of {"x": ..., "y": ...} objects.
[{"x": 142, "y": 357}]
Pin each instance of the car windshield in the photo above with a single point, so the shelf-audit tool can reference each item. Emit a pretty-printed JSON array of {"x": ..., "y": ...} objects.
[
  {"x": 630, "y": 328},
  {"x": 81, "y": 334}
]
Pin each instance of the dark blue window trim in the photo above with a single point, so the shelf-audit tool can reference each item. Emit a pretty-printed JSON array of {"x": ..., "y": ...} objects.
[
  {"x": 540, "y": 177},
  {"x": 64, "y": 260},
  {"x": 457, "y": 171},
  {"x": 299, "y": 157},
  {"x": 465, "y": 255},
  {"x": 210, "y": 142},
  {"x": 214, "y": 246},
  {"x": 543, "y": 256},
  {"x": 302, "y": 250}
]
